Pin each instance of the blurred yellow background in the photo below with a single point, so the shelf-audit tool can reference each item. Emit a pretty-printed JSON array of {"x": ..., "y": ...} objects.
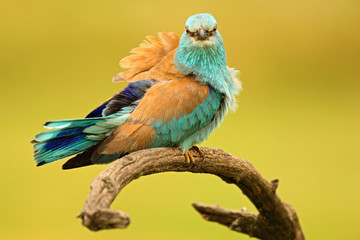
[{"x": 298, "y": 115}]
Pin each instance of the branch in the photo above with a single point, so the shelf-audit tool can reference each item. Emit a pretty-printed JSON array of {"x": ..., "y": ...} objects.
[{"x": 275, "y": 220}]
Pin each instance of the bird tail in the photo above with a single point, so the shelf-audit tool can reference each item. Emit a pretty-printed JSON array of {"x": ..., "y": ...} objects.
[{"x": 66, "y": 138}]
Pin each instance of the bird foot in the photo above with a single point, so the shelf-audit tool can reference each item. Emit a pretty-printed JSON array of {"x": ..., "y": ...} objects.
[{"x": 189, "y": 157}]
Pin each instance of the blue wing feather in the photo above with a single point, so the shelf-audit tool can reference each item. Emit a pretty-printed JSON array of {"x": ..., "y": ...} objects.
[{"x": 98, "y": 111}]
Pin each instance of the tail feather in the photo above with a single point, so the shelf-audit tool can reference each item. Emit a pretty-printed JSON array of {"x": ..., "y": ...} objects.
[
  {"x": 54, "y": 134},
  {"x": 71, "y": 123},
  {"x": 65, "y": 140},
  {"x": 62, "y": 148},
  {"x": 70, "y": 137}
]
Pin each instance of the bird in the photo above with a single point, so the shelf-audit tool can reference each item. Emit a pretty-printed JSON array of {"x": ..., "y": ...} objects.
[{"x": 179, "y": 90}]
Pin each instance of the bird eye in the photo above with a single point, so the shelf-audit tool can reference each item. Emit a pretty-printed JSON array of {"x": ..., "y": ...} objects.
[
  {"x": 188, "y": 31},
  {"x": 212, "y": 31}
]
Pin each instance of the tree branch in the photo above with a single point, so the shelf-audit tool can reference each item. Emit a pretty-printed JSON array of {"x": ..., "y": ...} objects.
[{"x": 275, "y": 220}]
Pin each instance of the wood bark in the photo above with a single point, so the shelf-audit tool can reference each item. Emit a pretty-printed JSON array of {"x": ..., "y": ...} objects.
[{"x": 275, "y": 219}]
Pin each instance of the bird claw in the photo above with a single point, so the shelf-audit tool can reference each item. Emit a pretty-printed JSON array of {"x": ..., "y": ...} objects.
[{"x": 189, "y": 158}]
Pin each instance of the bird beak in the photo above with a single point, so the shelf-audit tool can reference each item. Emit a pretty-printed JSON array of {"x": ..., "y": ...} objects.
[{"x": 202, "y": 34}]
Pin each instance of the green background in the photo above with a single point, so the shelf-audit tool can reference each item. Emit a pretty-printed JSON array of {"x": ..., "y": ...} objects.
[{"x": 298, "y": 115}]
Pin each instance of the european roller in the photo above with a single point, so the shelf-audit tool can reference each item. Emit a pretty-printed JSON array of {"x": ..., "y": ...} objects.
[{"x": 178, "y": 93}]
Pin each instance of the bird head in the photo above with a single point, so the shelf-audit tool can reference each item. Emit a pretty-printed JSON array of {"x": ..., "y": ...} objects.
[
  {"x": 201, "y": 51},
  {"x": 201, "y": 30}
]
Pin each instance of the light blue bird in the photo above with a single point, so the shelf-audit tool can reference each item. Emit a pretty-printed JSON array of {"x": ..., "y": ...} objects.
[{"x": 179, "y": 92}]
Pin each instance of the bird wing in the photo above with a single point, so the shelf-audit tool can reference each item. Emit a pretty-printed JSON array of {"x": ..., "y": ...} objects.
[{"x": 168, "y": 113}]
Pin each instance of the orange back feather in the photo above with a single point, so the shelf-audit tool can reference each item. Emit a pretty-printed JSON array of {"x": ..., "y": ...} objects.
[
  {"x": 153, "y": 59},
  {"x": 169, "y": 100}
]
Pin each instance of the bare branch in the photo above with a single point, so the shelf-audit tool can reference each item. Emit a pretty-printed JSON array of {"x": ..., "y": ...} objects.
[{"x": 275, "y": 220}]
